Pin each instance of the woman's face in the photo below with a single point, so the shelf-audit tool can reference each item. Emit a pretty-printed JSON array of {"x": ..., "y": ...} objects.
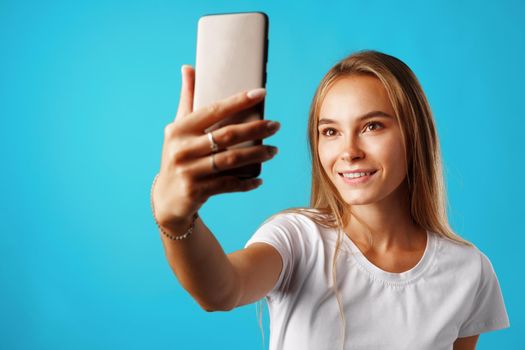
[{"x": 348, "y": 143}]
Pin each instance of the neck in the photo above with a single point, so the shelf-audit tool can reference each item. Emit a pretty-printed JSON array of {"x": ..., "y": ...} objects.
[{"x": 390, "y": 224}]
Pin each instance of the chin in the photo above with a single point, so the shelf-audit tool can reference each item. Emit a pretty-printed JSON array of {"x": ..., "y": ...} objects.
[
  {"x": 358, "y": 199},
  {"x": 358, "y": 202}
]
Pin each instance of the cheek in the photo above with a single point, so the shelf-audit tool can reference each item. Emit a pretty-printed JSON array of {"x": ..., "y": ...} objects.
[
  {"x": 393, "y": 154},
  {"x": 327, "y": 156}
]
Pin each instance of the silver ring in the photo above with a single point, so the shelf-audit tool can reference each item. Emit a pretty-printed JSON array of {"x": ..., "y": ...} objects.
[
  {"x": 213, "y": 165},
  {"x": 214, "y": 146}
]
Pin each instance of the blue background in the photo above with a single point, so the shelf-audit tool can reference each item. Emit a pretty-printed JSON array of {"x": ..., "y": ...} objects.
[{"x": 86, "y": 89}]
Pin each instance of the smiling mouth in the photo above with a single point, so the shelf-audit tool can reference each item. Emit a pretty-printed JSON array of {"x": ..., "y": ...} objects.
[{"x": 358, "y": 177}]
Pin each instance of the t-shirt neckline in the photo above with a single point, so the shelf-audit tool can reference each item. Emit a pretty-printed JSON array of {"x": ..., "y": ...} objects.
[{"x": 394, "y": 277}]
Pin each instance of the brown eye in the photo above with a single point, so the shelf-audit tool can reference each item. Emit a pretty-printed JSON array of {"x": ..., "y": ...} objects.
[
  {"x": 373, "y": 123},
  {"x": 325, "y": 131}
]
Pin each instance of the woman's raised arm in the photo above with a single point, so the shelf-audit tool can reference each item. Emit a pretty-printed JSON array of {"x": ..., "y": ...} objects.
[{"x": 185, "y": 182}]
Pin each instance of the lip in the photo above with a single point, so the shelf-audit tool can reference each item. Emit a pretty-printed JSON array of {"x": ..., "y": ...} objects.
[
  {"x": 358, "y": 171},
  {"x": 358, "y": 180}
]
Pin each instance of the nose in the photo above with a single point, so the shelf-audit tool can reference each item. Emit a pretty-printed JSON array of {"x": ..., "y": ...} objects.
[{"x": 352, "y": 150}]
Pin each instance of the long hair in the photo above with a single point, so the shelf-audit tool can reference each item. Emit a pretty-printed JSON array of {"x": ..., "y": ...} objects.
[{"x": 427, "y": 192}]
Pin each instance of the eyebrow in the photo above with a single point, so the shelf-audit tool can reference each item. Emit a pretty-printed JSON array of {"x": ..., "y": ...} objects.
[{"x": 368, "y": 115}]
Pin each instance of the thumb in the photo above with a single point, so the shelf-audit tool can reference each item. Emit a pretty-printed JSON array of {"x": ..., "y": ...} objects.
[{"x": 186, "y": 91}]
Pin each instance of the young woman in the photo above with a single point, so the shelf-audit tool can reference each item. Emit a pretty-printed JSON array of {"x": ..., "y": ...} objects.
[{"x": 372, "y": 263}]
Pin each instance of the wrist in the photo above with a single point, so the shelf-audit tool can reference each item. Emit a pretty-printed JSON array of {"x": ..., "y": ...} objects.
[
  {"x": 175, "y": 229},
  {"x": 180, "y": 229}
]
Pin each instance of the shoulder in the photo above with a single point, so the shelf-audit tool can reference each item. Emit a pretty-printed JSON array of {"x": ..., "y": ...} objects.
[
  {"x": 297, "y": 224},
  {"x": 464, "y": 259},
  {"x": 303, "y": 217}
]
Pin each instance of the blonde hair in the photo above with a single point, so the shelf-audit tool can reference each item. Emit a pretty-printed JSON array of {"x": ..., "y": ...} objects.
[{"x": 427, "y": 192}]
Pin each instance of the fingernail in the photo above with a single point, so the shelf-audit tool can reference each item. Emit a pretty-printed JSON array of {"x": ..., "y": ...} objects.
[
  {"x": 272, "y": 150},
  {"x": 182, "y": 67},
  {"x": 272, "y": 126},
  {"x": 256, "y": 93}
]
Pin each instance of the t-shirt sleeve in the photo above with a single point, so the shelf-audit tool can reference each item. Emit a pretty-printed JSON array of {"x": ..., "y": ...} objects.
[
  {"x": 488, "y": 311},
  {"x": 283, "y": 232}
]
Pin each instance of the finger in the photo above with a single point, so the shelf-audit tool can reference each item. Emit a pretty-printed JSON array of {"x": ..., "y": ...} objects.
[
  {"x": 227, "y": 184},
  {"x": 234, "y": 134},
  {"x": 231, "y": 135},
  {"x": 209, "y": 115},
  {"x": 231, "y": 159},
  {"x": 186, "y": 91}
]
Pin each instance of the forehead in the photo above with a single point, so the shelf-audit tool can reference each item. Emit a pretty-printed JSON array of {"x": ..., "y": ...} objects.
[{"x": 353, "y": 96}]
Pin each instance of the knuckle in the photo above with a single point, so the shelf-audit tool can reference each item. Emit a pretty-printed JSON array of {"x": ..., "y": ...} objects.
[
  {"x": 241, "y": 98},
  {"x": 229, "y": 136},
  {"x": 214, "y": 108},
  {"x": 180, "y": 152},
  {"x": 231, "y": 159},
  {"x": 168, "y": 130},
  {"x": 184, "y": 145},
  {"x": 177, "y": 157},
  {"x": 172, "y": 155},
  {"x": 172, "y": 130},
  {"x": 183, "y": 175}
]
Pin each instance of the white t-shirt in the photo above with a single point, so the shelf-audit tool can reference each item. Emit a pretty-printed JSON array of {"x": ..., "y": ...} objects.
[{"x": 452, "y": 292}]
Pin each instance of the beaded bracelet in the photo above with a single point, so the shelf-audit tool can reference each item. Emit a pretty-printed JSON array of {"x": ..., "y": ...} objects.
[{"x": 173, "y": 238}]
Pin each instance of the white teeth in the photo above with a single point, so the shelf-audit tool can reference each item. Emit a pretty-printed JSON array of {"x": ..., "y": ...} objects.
[{"x": 355, "y": 175}]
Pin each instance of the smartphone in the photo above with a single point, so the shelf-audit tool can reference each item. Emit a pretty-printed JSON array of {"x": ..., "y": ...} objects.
[{"x": 232, "y": 51}]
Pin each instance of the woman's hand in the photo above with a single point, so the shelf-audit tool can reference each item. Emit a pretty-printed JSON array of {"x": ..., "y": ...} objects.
[{"x": 187, "y": 179}]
